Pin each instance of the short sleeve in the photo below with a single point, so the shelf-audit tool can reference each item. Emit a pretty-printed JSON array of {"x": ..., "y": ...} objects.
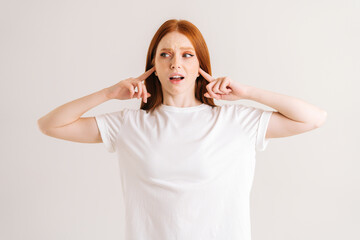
[
  {"x": 261, "y": 142},
  {"x": 254, "y": 122},
  {"x": 110, "y": 125}
]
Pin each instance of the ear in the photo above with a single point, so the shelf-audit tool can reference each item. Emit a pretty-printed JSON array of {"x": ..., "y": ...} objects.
[{"x": 153, "y": 64}]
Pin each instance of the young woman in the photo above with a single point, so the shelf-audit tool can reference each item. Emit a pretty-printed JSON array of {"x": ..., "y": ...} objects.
[{"x": 186, "y": 164}]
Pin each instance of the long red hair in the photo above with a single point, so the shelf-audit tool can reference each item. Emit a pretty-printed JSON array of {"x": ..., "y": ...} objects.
[{"x": 152, "y": 83}]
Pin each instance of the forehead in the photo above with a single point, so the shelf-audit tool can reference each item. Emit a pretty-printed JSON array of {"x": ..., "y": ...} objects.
[{"x": 175, "y": 40}]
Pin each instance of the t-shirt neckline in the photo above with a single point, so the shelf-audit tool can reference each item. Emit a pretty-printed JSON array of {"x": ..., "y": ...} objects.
[{"x": 182, "y": 109}]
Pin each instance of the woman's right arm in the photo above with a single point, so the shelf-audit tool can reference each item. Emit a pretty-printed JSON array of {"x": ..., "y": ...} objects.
[{"x": 65, "y": 122}]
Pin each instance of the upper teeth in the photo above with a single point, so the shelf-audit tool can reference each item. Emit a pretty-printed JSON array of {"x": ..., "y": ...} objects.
[{"x": 176, "y": 76}]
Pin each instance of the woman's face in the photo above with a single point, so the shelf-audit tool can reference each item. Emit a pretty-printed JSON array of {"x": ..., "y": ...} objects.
[{"x": 176, "y": 54}]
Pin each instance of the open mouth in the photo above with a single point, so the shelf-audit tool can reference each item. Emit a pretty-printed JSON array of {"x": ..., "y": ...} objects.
[{"x": 176, "y": 78}]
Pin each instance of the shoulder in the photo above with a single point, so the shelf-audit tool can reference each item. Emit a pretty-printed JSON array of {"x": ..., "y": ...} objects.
[
  {"x": 118, "y": 115},
  {"x": 236, "y": 108},
  {"x": 244, "y": 113}
]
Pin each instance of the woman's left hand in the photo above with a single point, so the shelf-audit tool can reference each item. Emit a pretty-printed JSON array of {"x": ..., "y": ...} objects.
[{"x": 224, "y": 88}]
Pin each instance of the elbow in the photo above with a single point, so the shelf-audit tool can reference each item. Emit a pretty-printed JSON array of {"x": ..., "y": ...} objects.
[
  {"x": 40, "y": 126},
  {"x": 321, "y": 120}
]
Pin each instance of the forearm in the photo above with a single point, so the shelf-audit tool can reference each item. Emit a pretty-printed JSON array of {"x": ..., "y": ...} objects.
[
  {"x": 72, "y": 111},
  {"x": 291, "y": 107}
]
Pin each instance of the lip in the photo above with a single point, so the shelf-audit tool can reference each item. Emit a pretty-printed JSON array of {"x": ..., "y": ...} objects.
[
  {"x": 176, "y": 81},
  {"x": 176, "y": 74}
]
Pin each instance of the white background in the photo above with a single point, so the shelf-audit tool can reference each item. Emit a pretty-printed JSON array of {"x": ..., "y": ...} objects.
[{"x": 52, "y": 52}]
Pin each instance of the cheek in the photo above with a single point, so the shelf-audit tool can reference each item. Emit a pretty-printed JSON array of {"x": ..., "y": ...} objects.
[
  {"x": 159, "y": 63},
  {"x": 195, "y": 62},
  {"x": 195, "y": 67}
]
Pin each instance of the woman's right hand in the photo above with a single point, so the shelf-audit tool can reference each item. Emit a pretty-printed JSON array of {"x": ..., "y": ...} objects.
[{"x": 125, "y": 89}]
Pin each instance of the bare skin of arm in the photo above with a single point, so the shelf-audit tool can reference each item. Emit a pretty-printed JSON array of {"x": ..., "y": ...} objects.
[
  {"x": 65, "y": 122},
  {"x": 293, "y": 116}
]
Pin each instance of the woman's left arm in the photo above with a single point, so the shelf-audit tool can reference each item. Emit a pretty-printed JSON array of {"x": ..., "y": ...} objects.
[{"x": 294, "y": 115}]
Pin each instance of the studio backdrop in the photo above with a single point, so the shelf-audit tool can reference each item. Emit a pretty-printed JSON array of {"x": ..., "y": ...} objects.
[{"x": 52, "y": 52}]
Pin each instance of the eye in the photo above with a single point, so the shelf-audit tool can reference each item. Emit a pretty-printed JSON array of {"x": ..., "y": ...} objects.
[{"x": 191, "y": 55}]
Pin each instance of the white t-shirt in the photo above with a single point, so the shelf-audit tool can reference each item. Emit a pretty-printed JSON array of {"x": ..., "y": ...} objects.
[{"x": 186, "y": 172}]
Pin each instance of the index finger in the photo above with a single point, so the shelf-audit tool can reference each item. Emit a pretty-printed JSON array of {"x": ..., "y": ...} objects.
[
  {"x": 206, "y": 75},
  {"x": 146, "y": 74}
]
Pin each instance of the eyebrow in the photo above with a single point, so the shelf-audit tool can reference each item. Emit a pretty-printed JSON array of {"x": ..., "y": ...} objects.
[{"x": 184, "y": 48}]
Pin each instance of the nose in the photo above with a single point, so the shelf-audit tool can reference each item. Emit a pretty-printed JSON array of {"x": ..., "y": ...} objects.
[{"x": 175, "y": 62}]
